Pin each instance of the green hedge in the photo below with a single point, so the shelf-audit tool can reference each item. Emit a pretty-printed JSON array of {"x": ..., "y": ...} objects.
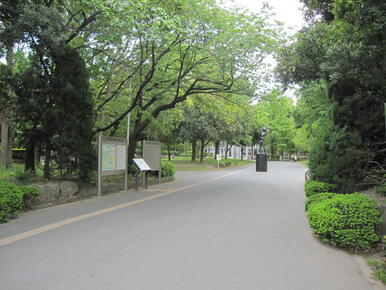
[
  {"x": 346, "y": 220},
  {"x": 13, "y": 198},
  {"x": 225, "y": 163},
  {"x": 317, "y": 198},
  {"x": 313, "y": 187},
  {"x": 167, "y": 169}
]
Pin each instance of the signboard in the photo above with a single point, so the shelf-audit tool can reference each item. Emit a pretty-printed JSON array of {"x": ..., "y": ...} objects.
[
  {"x": 152, "y": 154},
  {"x": 109, "y": 157},
  {"x": 218, "y": 157},
  {"x": 121, "y": 157},
  {"x": 112, "y": 159},
  {"x": 141, "y": 164}
]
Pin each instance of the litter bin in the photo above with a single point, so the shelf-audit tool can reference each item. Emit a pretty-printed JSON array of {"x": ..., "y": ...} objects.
[{"x": 261, "y": 162}]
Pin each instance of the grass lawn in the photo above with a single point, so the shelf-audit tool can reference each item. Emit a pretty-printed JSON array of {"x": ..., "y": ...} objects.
[
  {"x": 16, "y": 174},
  {"x": 184, "y": 163},
  {"x": 9, "y": 174}
]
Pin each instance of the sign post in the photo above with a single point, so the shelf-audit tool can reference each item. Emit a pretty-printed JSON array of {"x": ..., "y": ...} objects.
[
  {"x": 112, "y": 159},
  {"x": 142, "y": 167},
  {"x": 218, "y": 158}
]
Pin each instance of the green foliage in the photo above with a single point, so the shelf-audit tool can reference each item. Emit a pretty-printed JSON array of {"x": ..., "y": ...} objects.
[
  {"x": 167, "y": 169},
  {"x": 381, "y": 189},
  {"x": 11, "y": 200},
  {"x": 318, "y": 198},
  {"x": 379, "y": 268},
  {"x": 347, "y": 221},
  {"x": 55, "y": 112},
  {"x": 337, "y": 157},
  {"x": 275, "y": 111},
  {"x": 23, "y": 176},
  {"x": 313, "y": 187},
  {"x": 343, "y": 50},
  {"x": 225, "y": 163}
]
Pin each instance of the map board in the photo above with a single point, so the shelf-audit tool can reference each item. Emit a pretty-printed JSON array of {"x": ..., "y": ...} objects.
[{"x": 112, "y": 158}]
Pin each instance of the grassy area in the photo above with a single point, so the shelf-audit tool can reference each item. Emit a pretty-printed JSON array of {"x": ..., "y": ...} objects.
[
  {"x": 184, "y": 164},
  {"x": 16, "y": 174}
]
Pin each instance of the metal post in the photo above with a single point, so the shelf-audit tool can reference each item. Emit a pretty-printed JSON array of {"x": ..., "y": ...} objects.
[
  {"x": 127, "y": 168},
  {"x": 99, "y": 165},
  {"x": 127, "y": 153},
  {"x": 136, "y": 182}
]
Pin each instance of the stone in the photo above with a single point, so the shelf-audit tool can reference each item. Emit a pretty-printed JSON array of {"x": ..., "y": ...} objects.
[
  {"x": 52, "y": 191},
  {"x": 68, "y": 189}
]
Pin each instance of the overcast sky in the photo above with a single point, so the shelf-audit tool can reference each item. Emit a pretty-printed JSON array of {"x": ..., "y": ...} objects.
[{"x": 287, "y": 11}]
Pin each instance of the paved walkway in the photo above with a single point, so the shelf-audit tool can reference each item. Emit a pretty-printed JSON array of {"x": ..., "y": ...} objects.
[{"x": 227, "y": 229}]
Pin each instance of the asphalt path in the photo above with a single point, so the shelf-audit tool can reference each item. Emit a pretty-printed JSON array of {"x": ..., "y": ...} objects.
[{"x": 226, "y": 229}]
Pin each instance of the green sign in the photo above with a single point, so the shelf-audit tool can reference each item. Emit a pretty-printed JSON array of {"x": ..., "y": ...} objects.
[{"x": 109, "y": 157}]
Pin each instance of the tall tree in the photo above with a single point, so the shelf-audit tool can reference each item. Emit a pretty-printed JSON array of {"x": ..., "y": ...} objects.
[{"x": 346, "y": 51}]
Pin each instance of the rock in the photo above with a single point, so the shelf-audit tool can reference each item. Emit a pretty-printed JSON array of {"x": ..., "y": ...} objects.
[
  {"x": 68, "y": 189},
  {"x": 52, "y": 191}
]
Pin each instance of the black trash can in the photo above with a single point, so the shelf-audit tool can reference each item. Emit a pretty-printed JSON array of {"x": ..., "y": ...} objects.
[{"x": 261, "y": 162}]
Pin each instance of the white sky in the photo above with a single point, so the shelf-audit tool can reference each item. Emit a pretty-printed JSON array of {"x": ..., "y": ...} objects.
[{"x": 287, "y": 11}]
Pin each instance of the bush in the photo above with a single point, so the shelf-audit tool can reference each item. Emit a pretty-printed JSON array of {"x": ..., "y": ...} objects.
[
  {"x": 317, "y": 198},
  {"x": 225, "y": 163},
  {"x": 313, "y": 187},
  {"x": 11, "y": 200},
  {"x": 23, "y": 176},
  {"x": 167, "y": 169},
  {"x": 381, "y": 189},
  {"x": 346, "y": 220}
]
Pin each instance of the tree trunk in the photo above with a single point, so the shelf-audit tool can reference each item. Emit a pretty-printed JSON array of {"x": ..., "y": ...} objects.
[
  {"x": 202, "y": 151},
  {"x": 132, "y": 147},
  {"x": 47, "y": 159},
  {"x": 5, "y": 118},
  {"x": 169, "y": 152},
  {"x": 242, "y": 152},
  {"x": 30, "y": 157},
  {"x": 194, "y": 148},
  {"x": 216, "y": 149}
]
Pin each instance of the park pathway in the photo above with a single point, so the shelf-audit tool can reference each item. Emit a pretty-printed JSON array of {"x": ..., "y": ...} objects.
[{"x": 227, "y": 229}]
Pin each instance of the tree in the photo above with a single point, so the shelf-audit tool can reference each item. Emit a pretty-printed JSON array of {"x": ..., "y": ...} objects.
[
  {"x": 55, "y": 111},
  {"x": 346, "y": 51},
  {"x": 10, "y": 33},
  {"x": 276, "y": 112},
  {"x": 172, "y": 51}
]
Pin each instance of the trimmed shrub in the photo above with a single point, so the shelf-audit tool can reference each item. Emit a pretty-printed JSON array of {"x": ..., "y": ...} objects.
[
  {"x": 11, "y": 200},
  {"x": 225, "y": 163},
  {"x": 317, "y": 198},
  {"x": 313, "y": 187},
  {"x": 346, "y": 220},
  {"x": 167, "y": 169}
]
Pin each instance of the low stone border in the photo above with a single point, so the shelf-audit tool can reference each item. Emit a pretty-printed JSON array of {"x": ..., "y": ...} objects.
[{"x": 58, "y": 192}]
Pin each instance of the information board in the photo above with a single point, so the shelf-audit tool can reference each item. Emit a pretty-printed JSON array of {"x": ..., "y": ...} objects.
[
  {"x": 112, "y": 159},
  {"x": 152, "y": 154},
  {"x": 109, "y": 157},
  {"x": 141, "y": 164}
]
